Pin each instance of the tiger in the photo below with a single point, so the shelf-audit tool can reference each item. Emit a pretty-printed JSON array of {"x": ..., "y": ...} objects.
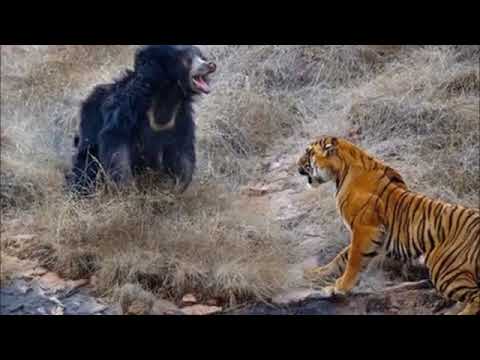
[{"x": 385, "y": 217}]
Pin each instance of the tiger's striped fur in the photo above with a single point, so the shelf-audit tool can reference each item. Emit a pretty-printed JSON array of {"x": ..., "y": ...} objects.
[{"x": 384, "y": 216}]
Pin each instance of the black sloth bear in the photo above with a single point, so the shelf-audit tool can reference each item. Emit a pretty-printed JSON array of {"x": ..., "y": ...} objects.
[{"x": 143, "y": 120}]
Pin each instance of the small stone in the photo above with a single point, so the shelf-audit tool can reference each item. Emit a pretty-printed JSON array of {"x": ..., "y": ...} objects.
[
  {"x": 24, "y": 237},
  {"x": 135, "y": 301},
  {"x": 42, "y": 311},
  {"x": 213, "y": 302},
  {"x": 39, "y": 271},
  {"x": 189, "y": 299},
  {"x": 57, "y": 311},
  {"x": 56, "y": 301},
  {"x": 138, "y": 308},
  {"x": 164, "y": 307},
  {"x": 201, "y": 310},
  {"x": 255, "y": 192},
  {"x": 75, "y": 284},
  {"x": 98, "y": 308}
]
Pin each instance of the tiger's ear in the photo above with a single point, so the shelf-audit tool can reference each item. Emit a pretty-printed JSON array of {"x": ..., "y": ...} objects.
[
  {"x": 395, "y": 177},
  {"x": 331, "y": 149}
]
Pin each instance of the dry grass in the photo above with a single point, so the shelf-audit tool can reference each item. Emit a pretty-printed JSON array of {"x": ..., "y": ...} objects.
[
  {"x": 424, "y": 112},
  {"x": 41, "y": 89},
  {"x": 197, "y": 243},
  {"x": 134, "y": 300},
  {"x": 416, "y": 107},
  {"x": 5, "y": 276}
]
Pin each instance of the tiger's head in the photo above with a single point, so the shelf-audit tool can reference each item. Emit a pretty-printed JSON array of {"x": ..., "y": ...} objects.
[
  {"x": 330, "y": 158},
  {"x": 320, "y": 162}
]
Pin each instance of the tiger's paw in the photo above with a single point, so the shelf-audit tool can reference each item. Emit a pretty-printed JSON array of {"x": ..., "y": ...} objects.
[
  {"x": 329, "y": 293},
  {"x": 334, "y": 291}
]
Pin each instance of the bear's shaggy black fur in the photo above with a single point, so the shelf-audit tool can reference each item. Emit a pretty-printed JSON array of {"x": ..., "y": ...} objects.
[{"x": 143, "y": 120}]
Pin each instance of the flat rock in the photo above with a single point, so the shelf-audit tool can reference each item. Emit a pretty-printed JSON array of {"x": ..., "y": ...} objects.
[
  {"x": 23, "y": 297},
  {"x": 32, "y": 273},
  {"x": 53, "y": 281},
  {"x": 164, "y": 307},
  {"x": 295, "y": 296},
  {"x": 201, "y": 310},
  {"x": 75, "y": 284}
]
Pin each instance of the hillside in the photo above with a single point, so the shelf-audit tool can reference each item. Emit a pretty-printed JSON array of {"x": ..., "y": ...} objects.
[{"x": 244, "y": 231}]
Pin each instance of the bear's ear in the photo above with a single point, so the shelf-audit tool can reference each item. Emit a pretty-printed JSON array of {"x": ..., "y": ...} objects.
[
  {"x": 152, "y": 62},
  {"x": 140, "y": 58}
]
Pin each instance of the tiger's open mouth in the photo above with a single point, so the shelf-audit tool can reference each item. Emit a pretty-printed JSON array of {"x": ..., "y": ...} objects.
[
  {"x": 302, "y": 172},
  {"x": 305, "y": 173},
  {"x": 312, "y": 181}
]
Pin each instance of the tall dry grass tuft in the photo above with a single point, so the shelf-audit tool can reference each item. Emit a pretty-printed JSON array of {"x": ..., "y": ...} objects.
[
  {"x": 41, "y": 88},
  {"x": 233, "y": 134},
  {"x": 426, "y": 106}
]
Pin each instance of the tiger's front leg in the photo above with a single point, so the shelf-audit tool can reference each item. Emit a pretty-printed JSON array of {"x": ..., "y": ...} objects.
[
  {"x": 362, "y": 250},
  {"x": 325, "y": 275}
]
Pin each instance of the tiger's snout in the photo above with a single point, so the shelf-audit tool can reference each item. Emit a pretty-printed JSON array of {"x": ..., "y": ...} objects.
[{"x": 302, "y": 171}]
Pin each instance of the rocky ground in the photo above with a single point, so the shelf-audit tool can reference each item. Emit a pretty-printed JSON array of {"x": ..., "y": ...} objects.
[
  {"x": 412, "y": 302},
  {"x": 32, "y": 290}
]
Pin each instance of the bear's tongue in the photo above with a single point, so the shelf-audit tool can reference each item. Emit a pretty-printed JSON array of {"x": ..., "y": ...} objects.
[{"x": 201, "y": 84}]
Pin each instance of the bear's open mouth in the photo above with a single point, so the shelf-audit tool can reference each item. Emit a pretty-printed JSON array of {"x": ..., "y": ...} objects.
[
  {"x": 200, "y": 72},
  {"x": 201, "y": 84}
]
